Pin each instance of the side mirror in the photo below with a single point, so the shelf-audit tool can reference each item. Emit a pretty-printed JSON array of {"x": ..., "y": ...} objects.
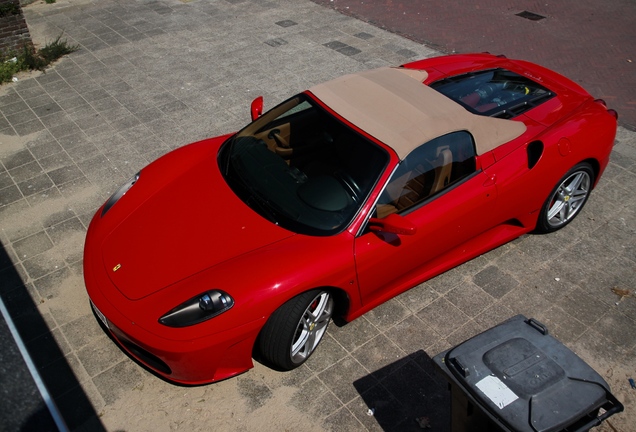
[
  {"x": 394, "y": 224},
  {"x": 257, "y": 108}
]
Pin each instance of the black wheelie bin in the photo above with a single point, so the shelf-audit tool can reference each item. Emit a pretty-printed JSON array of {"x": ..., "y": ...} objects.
[{"x": 517, "y": 377}]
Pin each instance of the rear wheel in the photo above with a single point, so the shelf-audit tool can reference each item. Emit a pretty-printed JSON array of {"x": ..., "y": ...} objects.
[
  {"x": 567, "y": 199},
  {"x": 295, "y": 329}
]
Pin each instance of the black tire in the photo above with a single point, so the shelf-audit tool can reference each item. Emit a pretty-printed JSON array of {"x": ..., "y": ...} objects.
[
  {"x": 566, "y": 199},
  {"x": 293, "y": 331}
]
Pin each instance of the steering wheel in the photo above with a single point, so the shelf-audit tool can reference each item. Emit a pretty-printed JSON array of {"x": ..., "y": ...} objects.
[{"x": 349, "y": 183}]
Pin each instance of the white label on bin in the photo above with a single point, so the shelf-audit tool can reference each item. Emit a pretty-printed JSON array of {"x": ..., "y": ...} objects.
[{"x": 497, "y": 391}]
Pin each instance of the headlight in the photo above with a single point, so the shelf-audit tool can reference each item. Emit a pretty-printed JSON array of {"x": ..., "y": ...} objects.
[
  {"x": 120, "y": 193},
  {"x": 198, "y": 309}
]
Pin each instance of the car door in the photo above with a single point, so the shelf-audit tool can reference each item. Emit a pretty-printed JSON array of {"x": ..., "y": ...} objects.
[{"x": 453, "y": 211}]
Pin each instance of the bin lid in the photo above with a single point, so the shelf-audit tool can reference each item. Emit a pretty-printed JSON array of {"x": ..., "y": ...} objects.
[{"x": 524, "y": 378}]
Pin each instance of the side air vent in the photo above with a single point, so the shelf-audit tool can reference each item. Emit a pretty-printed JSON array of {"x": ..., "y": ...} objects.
[{"x": 535, "y": 150}]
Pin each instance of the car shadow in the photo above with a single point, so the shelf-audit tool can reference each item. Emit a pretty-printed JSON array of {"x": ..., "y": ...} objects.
[
  {"x": 23, "y": 405},
  {"x": 407, "y": 395}
]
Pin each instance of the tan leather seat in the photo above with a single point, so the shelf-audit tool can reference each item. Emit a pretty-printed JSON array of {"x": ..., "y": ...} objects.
[
  {"x": 383, "y": 210},
  {"x": 416, "y": 188},
  {"x": 443, "y": 167},
  {"x": 422, "y": 182},
  {"x": 407, "y": 190}
]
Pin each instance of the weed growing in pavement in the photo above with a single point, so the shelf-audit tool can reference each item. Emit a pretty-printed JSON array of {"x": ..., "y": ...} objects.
[
  {"x": 30, "y": 58},
  {"x": 56, "y": 49}
]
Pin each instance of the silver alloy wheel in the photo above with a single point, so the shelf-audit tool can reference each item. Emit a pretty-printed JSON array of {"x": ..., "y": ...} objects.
[
  {"x": 311, "y": 327},
  {"x": 569, "y": 198}
]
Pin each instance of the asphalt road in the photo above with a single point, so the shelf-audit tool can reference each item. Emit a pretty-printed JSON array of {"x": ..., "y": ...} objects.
[{"x": 588, "y": 41}]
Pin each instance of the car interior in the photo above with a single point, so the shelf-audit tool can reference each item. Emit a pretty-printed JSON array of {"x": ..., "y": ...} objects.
[
  {"x": 427, "y": 171},
  {"x": 305, "y": 161}
]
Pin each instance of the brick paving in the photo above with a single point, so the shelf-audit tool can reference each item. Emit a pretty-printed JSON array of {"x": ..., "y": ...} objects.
[
  {"x": 154, "y": 75},
  {"x": 593, "y": 43}
]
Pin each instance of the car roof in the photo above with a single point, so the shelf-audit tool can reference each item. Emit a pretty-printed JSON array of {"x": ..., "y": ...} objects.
[{"x": 393, "y": 105}]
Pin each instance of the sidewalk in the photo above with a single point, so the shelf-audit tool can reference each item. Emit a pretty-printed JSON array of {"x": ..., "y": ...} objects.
[{"x": 154, "y": 75}]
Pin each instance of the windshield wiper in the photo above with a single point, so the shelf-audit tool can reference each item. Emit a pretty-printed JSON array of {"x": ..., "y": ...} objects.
[
  {"x": 250, "y": 196},
  {"x": 266, "y": 210},
  {"x": 224, "y": 156},
  {"x": 247, "y": 193}
]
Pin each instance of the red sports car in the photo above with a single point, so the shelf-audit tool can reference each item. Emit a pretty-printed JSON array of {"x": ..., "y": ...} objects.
[{"x": 338, "y": 199}]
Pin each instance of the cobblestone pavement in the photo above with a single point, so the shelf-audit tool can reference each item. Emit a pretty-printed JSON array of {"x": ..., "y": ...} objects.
[
  {"x": 151, "y": 76},
  {"x": 590, "y": 42}
]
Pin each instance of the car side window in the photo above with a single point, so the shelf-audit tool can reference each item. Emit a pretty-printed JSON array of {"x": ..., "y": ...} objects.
[{"x": 427, "y": 171}]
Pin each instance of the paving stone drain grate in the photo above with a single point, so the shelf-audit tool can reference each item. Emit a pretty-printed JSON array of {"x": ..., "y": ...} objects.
[{"x": 530, "y": 16}]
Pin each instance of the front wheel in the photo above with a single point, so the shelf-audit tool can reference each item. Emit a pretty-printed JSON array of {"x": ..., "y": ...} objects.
[
  {"x": 295, "y": 329},
  {"x": 567, "y": 199}
]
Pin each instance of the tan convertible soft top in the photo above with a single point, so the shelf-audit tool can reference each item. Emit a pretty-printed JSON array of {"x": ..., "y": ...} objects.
[{"x": 392, "y": 105}]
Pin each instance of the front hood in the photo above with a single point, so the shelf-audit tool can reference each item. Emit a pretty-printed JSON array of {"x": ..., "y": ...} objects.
[{"x": 179, "y": 227}]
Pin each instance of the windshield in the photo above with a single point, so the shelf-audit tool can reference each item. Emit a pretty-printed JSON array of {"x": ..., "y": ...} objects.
[{"x": 303, "y": 169}]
